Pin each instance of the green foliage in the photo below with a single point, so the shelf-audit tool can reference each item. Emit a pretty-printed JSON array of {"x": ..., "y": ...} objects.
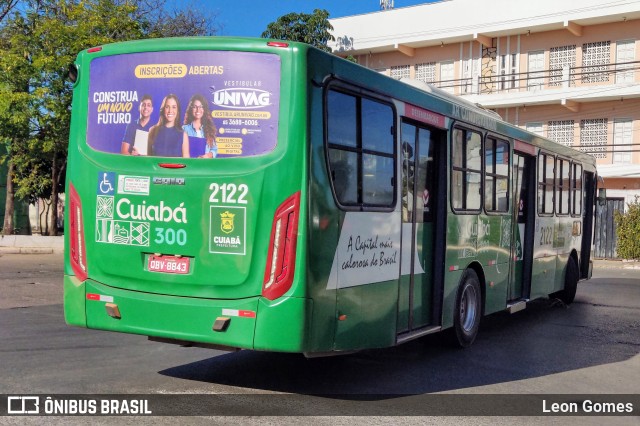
[
  {"x": 37, "y": 48},
  {"x": 628, "y": 231},
  {"x": 308, "y": 28},
  {"x": 39, "y": 40}
]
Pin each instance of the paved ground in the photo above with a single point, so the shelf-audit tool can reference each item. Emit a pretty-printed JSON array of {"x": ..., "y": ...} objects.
[{"x": 590, "y": 347}]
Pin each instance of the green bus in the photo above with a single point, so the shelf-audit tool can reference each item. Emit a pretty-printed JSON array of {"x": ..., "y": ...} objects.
[{"x": 256, "y": 194}]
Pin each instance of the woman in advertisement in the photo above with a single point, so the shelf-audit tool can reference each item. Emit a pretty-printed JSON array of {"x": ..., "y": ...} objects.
[
  {"x": 166, "y": 139},
  {"x": 198, "y": 123}
]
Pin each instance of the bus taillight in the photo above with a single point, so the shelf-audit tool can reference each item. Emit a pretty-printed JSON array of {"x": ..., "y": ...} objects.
[
  {"x": 281, "y": 259},
  {"x": 78, "y": 253},
  {"x": 277, "y": 44}
]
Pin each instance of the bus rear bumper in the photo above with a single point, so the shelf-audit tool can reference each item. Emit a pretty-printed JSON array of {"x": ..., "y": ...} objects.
[
  {"x": 74, "y": 301},
  {"x": 282, "y": 324},
  {"x": 250, "y": 323}
]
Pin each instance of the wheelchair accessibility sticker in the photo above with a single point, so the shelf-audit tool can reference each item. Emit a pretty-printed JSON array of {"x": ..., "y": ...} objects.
[{"x": 106, "y": 183}]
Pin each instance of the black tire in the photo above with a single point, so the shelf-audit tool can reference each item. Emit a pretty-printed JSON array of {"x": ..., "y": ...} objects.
[
  {"x": 568, "y": 294},
  {"x": 468, "y": 310}
]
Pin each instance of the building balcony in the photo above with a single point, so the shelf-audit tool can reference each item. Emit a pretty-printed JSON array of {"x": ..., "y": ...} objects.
[{"x": 568, "y": 86}]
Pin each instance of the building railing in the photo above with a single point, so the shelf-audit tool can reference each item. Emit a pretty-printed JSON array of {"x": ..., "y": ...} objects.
[{"x": 549, "y": 79}]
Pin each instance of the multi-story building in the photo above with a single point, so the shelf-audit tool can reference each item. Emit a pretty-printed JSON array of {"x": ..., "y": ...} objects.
[{"x": 565, "y": 69}]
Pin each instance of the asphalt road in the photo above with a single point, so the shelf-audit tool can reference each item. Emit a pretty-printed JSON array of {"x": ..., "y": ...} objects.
[{"x": 589, "y": 347}]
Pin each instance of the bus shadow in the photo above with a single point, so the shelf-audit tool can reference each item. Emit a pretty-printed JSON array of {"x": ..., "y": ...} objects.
[{"x": 546, "y": 338}]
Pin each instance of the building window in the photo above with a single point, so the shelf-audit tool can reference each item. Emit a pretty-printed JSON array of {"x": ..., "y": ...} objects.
[
  {"x": 561, "y": 131},
  {"x": 622, "y": 140},
  {"x": 466, "y": 170},
  {"x": 595, "y": 61},
  {"x": 535, "y": 74},
  {"x": 447, "y": 75},
  {"x": 466, "y": 83},
  {"x": 361, "y": 145},
  {"x": 400, "y": 71},
  {"x": 593, "y": 136},
  {"x": 426, "y": 72},
  {"x": 561, "y": 58},
  {"x": 508, "y": 65},
  {"x": 625, "y": 56},
  {"x": 496, "y": 175},
  {"x": 535, "y": 128}
]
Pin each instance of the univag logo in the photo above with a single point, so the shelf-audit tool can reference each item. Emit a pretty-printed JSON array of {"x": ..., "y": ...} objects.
[{"x": 242, "y": 98}]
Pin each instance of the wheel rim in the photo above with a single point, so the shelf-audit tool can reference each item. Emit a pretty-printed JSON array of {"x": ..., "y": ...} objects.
[{"x": 468, "y": 308}]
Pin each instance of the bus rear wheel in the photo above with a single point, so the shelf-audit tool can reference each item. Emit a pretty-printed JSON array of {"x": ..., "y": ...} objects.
[
  {"x": 568, "y": 294},
  {"x": 468, "y": 310}
]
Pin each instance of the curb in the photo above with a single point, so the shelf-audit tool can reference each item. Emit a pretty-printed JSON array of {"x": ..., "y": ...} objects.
[
  {"x": 28, "y": 250},
  {"x": 31, "y": 244},
  {"x": 615, "y": 264}
]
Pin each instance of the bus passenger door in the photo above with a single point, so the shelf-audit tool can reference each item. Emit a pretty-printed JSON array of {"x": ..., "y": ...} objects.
[
  {"x": 523, "y": 226},
  {"x": 418, "y": 195}
]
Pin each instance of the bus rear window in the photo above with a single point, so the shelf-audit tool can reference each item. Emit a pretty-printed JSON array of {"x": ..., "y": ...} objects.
[{"x": 199, "y": 104}]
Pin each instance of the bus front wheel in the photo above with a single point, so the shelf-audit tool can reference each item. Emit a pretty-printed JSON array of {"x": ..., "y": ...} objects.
[{"x": 468, "y": 310}]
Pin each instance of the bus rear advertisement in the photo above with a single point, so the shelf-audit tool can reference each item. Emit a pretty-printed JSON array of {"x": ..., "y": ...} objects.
[{"x": 248, "y": 194}]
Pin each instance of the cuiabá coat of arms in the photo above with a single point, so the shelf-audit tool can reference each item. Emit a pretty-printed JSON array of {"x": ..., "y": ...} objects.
[{"x": 226, "y": 224}]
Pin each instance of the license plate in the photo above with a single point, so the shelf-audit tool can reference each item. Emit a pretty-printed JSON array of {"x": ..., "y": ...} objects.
[{"x": 168, "y": 264}]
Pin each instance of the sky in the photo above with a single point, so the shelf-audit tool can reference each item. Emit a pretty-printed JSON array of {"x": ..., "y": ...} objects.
[{"x": 249, "y": 18}]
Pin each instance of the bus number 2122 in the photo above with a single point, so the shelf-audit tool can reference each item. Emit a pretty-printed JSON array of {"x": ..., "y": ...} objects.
[{"x": 228, "y": 193}]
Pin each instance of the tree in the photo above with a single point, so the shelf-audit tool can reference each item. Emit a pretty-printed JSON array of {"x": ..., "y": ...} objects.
[
  {"x": 38, "y": 43},
  {"x": 37, "y": 47},
  {"x": 628, "y": 231},
  {"x": 6, "y": 6},
  {"x": 190, "y": 20},
  {"x": 15, "y": 104},
  {"x": 312, "y": 28}
]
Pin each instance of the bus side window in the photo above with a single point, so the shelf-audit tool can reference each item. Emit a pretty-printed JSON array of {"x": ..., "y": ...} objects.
[
  {"x": 377, "y": 138},
  {"x": 466, "y": 170},
  {"x": 562, "y": 187},
  {"x": 343, "y": 172},
  {"x": 546, "y": 183},
  {"x": 361, "y": 145},
  {"x": 496, "y": 175},
  {"x": 576, "y": 189},
  {"x": 342, "y": 131}
]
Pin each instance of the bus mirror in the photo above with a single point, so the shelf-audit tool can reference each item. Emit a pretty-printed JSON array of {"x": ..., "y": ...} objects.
[
  {"x": 73, "y": 73},
  {"x": 602, "y": 196}
]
